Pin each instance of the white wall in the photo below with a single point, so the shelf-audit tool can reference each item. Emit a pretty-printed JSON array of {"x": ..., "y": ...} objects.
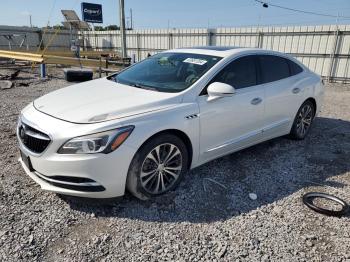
[
  {"x": 324, "y": 49},
  {"x": 57, "y": 39}
]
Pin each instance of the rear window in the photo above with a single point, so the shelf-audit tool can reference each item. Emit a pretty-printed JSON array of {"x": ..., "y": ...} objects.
[
  {"x": 294, "y": 68},
  {"x": 273, "y": 68}
]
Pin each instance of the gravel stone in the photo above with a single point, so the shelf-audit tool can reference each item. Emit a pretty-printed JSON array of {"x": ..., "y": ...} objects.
[
  {"x": 253, "y": 196},
  {"x": 201, "y": 220}
]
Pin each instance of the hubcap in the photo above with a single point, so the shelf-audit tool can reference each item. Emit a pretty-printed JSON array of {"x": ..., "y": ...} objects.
[
  {"x": 304, "y": 120},
  {"x": 161, "y": 168}
]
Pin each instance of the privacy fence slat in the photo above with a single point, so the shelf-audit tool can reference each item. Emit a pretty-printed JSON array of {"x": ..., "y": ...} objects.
[{"x": 325, "y": 49}]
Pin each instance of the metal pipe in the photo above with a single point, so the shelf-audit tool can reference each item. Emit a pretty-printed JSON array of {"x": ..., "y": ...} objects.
[
  {"x": 42, "y": 71},
  {"x": 122, "y": 28}
]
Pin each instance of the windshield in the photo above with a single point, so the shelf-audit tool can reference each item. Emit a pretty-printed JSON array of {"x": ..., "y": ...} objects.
[{"x": 167, "y": 72}]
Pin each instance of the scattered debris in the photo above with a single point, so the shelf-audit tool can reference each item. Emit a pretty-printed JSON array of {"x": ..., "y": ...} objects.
[
  {"x": 216, "y": 182},
  {"x": 31, "y": 239},
  {"x": 11, "y": 76},
  {"x": 22, "y": 84},
  {"x": 5, "y": 84},
  {"x": 253, "y": 196},
  {"x": 308, "y": 201},
  {"x": 221, "y": 250}
]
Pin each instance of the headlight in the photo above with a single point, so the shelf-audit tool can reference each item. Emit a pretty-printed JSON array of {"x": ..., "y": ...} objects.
[{"x": 104, "y": 142}]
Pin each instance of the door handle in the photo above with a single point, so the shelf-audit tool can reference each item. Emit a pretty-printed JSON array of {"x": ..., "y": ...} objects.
[
  {"x": 256, "y": 101},
  {"x": 296, "y": 90}
]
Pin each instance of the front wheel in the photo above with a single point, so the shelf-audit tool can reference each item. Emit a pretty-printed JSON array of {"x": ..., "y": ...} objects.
[
  {"x": 303, "y": 121},
  {"x": 157, "y": 167}
]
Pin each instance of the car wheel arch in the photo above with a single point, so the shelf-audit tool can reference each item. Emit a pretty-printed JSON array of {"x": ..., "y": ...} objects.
[
  {"x": 313, "y": 101},
  {"x": 180, "y": 134}
]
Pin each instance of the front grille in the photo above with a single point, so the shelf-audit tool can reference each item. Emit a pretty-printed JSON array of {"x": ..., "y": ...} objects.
[{"x": 33, "y": 139}]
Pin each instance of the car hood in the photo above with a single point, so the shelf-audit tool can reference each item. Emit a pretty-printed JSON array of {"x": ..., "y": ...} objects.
[{"x": 102, "y": 100}]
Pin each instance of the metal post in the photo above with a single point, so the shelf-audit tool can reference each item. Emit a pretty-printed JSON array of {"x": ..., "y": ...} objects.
[
  {"x": 107, "y": 65},
  {"x": 100, "y": 68},
  {"x": 40, "y": 39},
  {"x": 209, "y": 37},
  {"x": 260, "y": 39},
  {"x": 332, "y": 55},
  {"x": 42, "y": 71},
  {"x": 170, "y": 41},
  {"x": 138, "y": 47},
  {"x": 122, "y": 28}
]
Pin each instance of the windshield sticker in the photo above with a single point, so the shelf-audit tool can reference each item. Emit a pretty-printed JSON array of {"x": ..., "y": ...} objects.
[{"x": 195, "y": 61}]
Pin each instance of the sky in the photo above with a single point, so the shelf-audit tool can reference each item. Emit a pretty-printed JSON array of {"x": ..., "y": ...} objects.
[{"x": 180, "y": 13}]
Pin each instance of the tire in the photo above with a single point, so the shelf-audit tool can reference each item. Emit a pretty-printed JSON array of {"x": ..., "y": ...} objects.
[
  {"x": 142, "y": 182},
  {"x": 308, "y": 201},
  {"x": 303, "y": 121}
]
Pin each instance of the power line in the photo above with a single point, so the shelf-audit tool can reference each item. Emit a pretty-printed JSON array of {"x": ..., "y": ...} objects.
[
  {"x": 266, "y": 4},
  {"x": 51, "y": 11}
]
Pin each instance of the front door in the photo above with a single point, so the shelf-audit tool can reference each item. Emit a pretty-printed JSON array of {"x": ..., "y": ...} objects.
[{"x": 230, "y": 123}]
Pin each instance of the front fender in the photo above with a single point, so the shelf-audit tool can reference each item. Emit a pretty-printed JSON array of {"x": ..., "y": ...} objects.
[{"x": 183, "y": 117}]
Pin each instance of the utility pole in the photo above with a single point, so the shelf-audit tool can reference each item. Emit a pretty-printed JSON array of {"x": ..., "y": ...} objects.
[
  {"x": 131, "y": 25},
  {"x": 122, "y": 28},
  {"x": 30, "y": 20}
]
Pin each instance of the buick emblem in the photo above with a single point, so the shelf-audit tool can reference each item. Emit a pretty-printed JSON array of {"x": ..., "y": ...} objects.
[{"x": 21, "y": 132}]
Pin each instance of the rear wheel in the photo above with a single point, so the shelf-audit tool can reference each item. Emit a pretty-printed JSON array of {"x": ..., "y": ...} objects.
[
  {"x": 157, "y": 167},
  {"x": 303, "y": 121}
]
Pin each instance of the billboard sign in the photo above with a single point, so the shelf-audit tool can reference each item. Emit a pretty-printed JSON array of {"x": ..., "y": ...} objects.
[{"x": 91, "y": 13}]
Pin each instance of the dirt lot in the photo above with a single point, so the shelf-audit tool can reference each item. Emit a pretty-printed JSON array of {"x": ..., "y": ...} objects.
[{"x": 201, "y": 220}]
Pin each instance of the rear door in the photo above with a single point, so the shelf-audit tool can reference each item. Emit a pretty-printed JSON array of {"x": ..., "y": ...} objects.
[{"x": 283, "y": 93}]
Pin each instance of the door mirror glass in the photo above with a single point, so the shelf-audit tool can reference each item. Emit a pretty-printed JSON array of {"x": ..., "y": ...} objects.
[{"x": 217, "y": 90}]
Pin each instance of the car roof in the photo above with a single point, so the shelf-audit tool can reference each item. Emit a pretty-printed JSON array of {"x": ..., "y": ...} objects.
[
  {"x": 215, "y": 48},
  {"x": 223, "y": 51}
]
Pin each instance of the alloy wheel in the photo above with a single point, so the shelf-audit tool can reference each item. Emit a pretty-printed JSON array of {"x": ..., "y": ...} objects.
[
  {"x": 304, "y": 120},
  {"x": 161, "y": 168}
]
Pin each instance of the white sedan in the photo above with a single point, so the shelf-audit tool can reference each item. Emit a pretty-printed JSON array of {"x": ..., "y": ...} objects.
[{"x": 143, "y": 128}]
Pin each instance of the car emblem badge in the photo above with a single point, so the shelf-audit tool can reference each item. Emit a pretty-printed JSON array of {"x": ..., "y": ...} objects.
[{"x": 22, "y": 132}]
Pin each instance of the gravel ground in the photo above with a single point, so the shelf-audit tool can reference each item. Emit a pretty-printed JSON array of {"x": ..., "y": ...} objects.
[{"x": 210, "y": 217}]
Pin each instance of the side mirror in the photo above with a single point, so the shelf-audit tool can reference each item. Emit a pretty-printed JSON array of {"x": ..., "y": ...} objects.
[{"x": 217, "y": 90}]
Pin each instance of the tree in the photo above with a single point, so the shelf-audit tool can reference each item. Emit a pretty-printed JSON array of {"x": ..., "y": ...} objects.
[
  {"x": 112, "y": 27},
  {"x": 58, "y": 27},
  {"x": 99, "y": 28}
]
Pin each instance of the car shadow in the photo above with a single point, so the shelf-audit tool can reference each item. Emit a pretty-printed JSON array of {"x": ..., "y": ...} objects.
[{"x": 220, "y": 189}]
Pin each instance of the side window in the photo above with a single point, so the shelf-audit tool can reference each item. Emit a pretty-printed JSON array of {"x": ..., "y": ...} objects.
[
  {"x": 240, "y": 73},
  {"x": 273, "y": 68},
  {"x": 294, "y": 68}
]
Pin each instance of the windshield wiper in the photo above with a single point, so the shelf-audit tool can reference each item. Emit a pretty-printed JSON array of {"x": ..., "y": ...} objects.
[{"x": 138, "y": 85}]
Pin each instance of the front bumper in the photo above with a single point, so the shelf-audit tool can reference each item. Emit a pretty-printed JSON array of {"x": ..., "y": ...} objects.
[
  {"x": 95, "y": 175},
  {"x": 45, "y": 185}
]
